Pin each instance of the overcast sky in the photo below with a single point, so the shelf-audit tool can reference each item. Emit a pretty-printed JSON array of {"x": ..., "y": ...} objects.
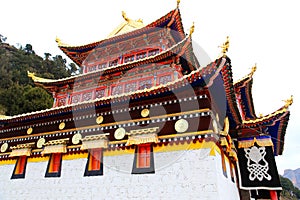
[{"x": 263, "y": 32}]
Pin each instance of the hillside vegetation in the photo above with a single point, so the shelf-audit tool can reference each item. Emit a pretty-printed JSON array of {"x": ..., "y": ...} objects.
[{"x": 18, "y": 94}]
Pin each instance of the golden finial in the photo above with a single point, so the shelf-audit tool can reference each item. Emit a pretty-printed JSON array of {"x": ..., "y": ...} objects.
[
  {"x": 57, "y": 40},
  {"x": 178, "y": 2},
  {"x": 260, "y": 115},
  {"x": 124, "y": 15},
  {"x": 253, "y": 70},
  {"x": 288, "y": 102},
  {"x": 31, "y": 74},
  {"x": 36, "y": 78},
  {"x": 192, "y": 29},
  {"x": 225, "y": 46}
]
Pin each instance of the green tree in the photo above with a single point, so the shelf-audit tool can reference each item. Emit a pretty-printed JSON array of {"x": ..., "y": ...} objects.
[
  {"x": 289, "y": 191},
  {"x": 18, "y": 94},
  {"x": 36, "y": 99}
]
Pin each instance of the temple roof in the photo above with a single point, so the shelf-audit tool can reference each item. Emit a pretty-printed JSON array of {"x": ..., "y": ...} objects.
[
  {"x": 126, "y": 30},
  {"x": 182, "y": 47},
  {"x": 243, "y": 90},
  {"x": 203, "y": 76},
  {"x": 273, "y": 124}
]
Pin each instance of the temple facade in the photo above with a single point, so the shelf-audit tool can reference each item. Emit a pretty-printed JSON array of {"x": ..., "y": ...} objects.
[{"x": 144, "y": 121}]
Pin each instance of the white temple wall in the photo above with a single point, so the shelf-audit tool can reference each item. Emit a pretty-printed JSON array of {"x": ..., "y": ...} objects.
[{"x": 192, "y": 174}]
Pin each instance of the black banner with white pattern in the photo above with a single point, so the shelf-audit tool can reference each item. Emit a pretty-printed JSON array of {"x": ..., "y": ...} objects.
[{"x": 257, "y": 168}]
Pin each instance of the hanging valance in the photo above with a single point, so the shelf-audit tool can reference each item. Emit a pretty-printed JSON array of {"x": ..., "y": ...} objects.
[
  {"x": 94, "y": 141},
  {"x": 142, "y": 136},
  {"x": 55, "y": 146},
  {"x": 262, "y": 141},
  {"x": 21, "y": 150}
]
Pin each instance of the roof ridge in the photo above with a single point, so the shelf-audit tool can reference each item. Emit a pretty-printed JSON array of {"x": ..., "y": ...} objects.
[
  {"x": 248, "y": 76},
  {"x": 37, "y": 79},
  {"x": 185, "y": 77},
  {"x": 283, "y": 109}
]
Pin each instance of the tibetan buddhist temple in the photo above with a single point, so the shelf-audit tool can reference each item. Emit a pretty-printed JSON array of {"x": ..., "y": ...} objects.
[{"x": 144, "y": 120}]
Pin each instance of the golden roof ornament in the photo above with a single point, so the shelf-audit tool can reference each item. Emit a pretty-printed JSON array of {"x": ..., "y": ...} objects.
[
  {"x": 192, "y": 29},
  {"x": 38, "y": 79},
  {"x": 124, "y": 15},
  {"x": 288, "y": 102},
  {"x": 225, "y": 46},
  {"x": 58, "y": 40},
  {"x": 253, "y": 70},
  {"x": 178, "y": 2},
  {"x": 60, "y": 43}
]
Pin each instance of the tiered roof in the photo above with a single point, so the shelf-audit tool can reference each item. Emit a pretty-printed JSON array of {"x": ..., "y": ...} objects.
[
  {"x": 184, "y": 47},
  {"x": 172, "y": 21},
  {"x": 214, "y": 80},
  {"x": 243, "y": 91}
]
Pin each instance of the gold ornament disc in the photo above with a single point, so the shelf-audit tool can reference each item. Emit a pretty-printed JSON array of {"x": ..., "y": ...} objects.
[
  {"x": 99, "y": 120},
  {"x": 29, "y": 131},
  {"x": 40, "y": 142},
  {"x": 4, "y": 147},
  {"x": 62, "y": 126},
  {"x": 145, "y": 112},
  {"x": 120, "y": 133},
  {"x": 181, "y": 125},
  {"x": 76, "y": 138}
]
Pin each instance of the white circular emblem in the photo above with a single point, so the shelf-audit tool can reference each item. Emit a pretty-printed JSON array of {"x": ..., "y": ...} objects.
[
  {"x": 40, "y": 142},
  {"x": 181, "y": 125},
  {"x": 120, "y": 133},
  {"x": 4, "y": 147},
  {"x": 76, "y": 138}
]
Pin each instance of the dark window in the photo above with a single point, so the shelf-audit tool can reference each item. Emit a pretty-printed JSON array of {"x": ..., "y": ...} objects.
[
  {"x": 129, "y": 59},
  {"x": 94, "y": 165},
  {"x": 54, "y": 165},
  {"x": 141, "y": 55},
  {"x": 153, "y": 52},
  {"x": 143, "y": 159},
  {"x": 102, "y": 66},
  {"x": 20, "y": 168},
  {"x": 113, "y": 63}
]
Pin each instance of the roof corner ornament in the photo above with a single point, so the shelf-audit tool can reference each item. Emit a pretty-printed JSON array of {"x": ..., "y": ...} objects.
[
  {"x": 253, "y": 70},
  {"x": 192, "y": 29},
  {"x": 31, "y": 75},
  {"x": 178, "y": 3},
  {"x": 288, "y": 102},
  {"x": 58, "y": 41},
  {"x": 36, "y": 78},
  {"x": 225, "y": 46},
  {"x": 124, "y": 15}
]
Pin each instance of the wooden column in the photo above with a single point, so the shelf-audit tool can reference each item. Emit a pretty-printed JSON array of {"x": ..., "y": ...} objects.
[{"x": 273, "y": 195}]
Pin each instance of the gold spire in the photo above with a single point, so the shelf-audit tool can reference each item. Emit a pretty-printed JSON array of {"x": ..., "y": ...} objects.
[
  {"x": 178, "y": 2},
  {"x": 253, "y": 70},
  {"x": 288, "y": 102},
  {"x": 60, "y": 43},
  {"x": 126, "y": 26},
  {"x": 225, "y": 46},
  {"x": 124, "y": 15},
  {"x": 192, "y": 29}
]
